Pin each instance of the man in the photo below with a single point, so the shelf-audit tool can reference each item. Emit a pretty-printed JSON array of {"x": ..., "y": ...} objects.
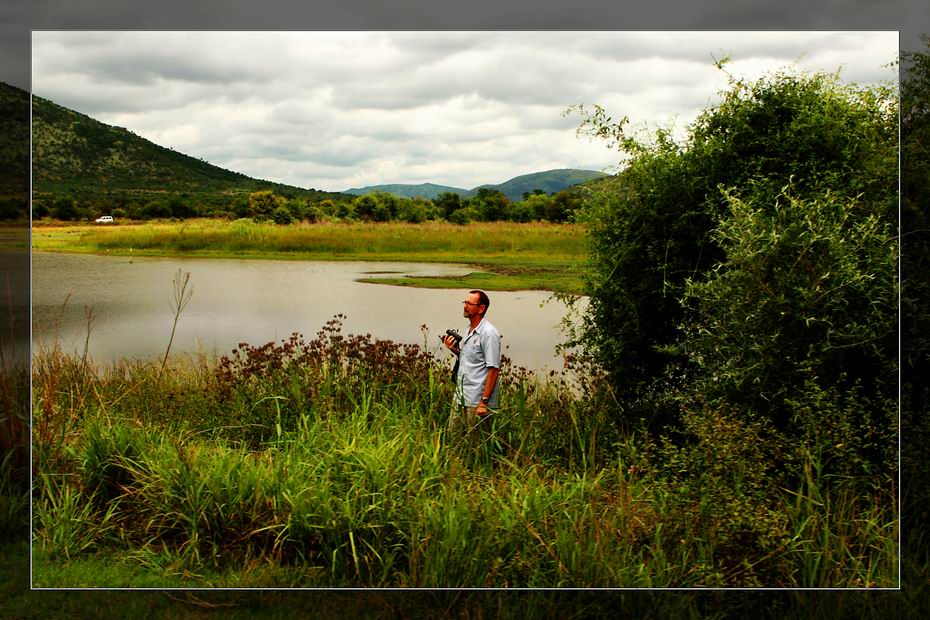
[{"x": 476, "y": 388}]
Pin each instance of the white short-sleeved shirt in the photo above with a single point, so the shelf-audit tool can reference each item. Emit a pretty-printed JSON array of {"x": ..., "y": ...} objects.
[{"x": 479, "y": 350}]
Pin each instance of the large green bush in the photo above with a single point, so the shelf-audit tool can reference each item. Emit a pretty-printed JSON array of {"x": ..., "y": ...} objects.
[
  {"x": 800, "y": 317},
  {"x": 651, "y": 227}
]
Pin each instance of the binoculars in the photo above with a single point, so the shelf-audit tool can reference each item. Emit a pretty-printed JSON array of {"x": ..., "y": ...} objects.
[{"x": 454, "y": 334}]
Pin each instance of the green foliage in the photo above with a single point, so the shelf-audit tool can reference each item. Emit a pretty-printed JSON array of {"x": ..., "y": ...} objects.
[
  {"x": 651, "y": 225},
  {"x": 806, "y": 292},
  {"x": 492, "y": 204},
  {"x": 263, "y": 204},
  {"x": 282, "y": 215},
  {"x": 465, "y": 215},
  {"x": 77, "y": 157},
  {"x": 448, "y": 203},
  {"x": 64, "y": 209},
  {"x": 155, "y": 209},
  {"x": 324, "y": 463}
]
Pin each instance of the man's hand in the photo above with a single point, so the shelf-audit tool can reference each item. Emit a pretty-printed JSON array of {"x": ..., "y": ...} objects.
[
  {"x": 481, "y": 410},
  {"x": 449, "y": 341}
]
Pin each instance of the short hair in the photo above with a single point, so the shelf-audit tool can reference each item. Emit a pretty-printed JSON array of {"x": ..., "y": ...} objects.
[{"x": 482, "y": 299}]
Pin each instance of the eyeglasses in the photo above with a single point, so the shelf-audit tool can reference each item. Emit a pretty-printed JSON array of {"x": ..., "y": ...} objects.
[{"x": 470, "y": 303}]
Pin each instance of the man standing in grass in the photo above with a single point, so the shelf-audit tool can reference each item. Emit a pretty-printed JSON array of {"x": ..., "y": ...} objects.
[{"x": 476, "y": 388}]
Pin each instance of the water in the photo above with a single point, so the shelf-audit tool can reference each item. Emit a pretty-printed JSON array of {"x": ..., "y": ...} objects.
[{"x": 258, "y": 301}]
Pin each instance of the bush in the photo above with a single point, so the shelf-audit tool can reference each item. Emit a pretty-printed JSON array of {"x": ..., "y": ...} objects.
[
  {"x": 464, "y": 216},
  {"x": 282, "y": 215},
  {"x": 651, "y": 225},
  {"x": 412, "y": 211},
  {"x": 154, "y": 210},
  {"x": 807, "y": 290},
  {"x": 263, "y": 204}
]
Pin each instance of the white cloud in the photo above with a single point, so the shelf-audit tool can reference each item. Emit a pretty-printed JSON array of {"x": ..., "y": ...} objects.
[{"x": 333, "y": 110}]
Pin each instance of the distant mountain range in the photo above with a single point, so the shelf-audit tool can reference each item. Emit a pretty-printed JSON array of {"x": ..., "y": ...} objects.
[{"x": 549, "y": 181}]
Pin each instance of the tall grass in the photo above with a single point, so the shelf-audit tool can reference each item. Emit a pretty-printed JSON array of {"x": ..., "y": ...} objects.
[
  {"x": 325, "y": 462},
  {"x": 447, "y": 241}
]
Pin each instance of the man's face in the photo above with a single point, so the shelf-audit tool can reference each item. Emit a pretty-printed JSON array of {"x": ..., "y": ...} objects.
[{"x": 470, "y": 306}]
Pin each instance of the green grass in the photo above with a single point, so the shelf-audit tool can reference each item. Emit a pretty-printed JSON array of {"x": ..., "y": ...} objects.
[
  {"x": 325, "y": 463},
  {"x": 516, "y": 256}
]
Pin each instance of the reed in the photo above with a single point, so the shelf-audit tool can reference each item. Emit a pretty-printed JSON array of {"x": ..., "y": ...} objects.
[
  {"x": 245, "y": 236},
  {"x": 323, "y": 462}
]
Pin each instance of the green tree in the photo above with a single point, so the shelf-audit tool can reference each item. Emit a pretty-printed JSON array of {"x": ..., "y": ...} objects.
[
  {"x": 491, "y": 203},
  {"x": 538, "y": 205},
  {"x": 413, "y": 211},
  {"x": 464, "y": 216},
  {"x": 652, "y": 225},
  {"x": 800, "y": 315},
  {"x": 64, "y": 209},
  {"x": 39, "y": 209},
  {"x": 448, "y": 203},
  {"x": 282, "y": 215},
  {"x": 181, "y": 209},
  {"x": 155, "y": 209},
  {"x": 561, "y": 207},
  {"x": 376, "y": 207},
  {"x": 262, "y": 205}
]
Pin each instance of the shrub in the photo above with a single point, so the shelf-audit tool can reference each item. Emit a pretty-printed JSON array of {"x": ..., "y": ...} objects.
[
  {"x": 263, "y": 204},
  {"x": 464, "y": 216},
  {"x": 651, "y": 225},
  {"x": 807, "y": 291},
  {"x": 282, "y": 215}
]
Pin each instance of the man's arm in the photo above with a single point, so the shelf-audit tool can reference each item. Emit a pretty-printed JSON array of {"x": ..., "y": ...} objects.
[{"x": 489, "y": 384}]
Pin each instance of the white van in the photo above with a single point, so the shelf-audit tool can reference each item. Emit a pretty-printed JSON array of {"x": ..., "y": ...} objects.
[{"x": 104, "y": 219}]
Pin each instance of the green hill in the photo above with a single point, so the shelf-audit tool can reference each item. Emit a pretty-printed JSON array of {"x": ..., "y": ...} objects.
[
  {"x": 78, "y": 157},
  {"x": 550, "y": 181},
  {"x": 422, "y": 190}
]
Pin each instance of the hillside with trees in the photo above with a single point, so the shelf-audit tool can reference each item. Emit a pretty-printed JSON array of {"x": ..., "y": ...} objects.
[{"x": 82, "y": 167}]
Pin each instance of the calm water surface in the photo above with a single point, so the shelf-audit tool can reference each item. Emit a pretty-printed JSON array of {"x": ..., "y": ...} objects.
[{"x": 258, "y": 301}]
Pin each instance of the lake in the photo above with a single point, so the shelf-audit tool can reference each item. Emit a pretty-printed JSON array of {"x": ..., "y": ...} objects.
[{"x": 258, "y": 301}]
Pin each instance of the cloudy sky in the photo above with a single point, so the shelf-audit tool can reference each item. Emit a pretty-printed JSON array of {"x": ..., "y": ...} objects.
[{"x": 335, "y": 110}]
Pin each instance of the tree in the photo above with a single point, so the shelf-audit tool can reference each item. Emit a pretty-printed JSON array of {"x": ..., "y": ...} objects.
[
  {"x": 262, "y": 205},
  {"x": 491, "y": 203},
  {"x": 464, "y": 216},
  {"x": 181, "y": 209},
  {"x": 652, "y": 225},
  {"x": 800, "y": 318},
  {"x": 375, "y": 207},
  {"x": 282, "y": 215},
  {"x": 448, "y": 203},
  {"x": 414, "y": 210},
  {"x": 155, "y": 209},
  {"x": 561, "y": 207},
  {"x": 64, "y": 209},
  {"x": 538, "y": 205}
]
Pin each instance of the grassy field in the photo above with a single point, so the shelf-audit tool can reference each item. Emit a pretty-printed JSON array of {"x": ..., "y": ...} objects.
[
  {"x": 325, "y": 463},
  {"x": 512, "y": 256}
]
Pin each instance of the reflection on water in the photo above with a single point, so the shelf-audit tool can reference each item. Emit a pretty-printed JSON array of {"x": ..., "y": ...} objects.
[{"x": 257, "y": 301}]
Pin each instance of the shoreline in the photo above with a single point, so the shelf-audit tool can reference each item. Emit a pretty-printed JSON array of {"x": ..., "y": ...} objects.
[{"x": 529, "y": 267}]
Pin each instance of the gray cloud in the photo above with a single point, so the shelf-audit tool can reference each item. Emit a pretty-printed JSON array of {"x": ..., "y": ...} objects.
[{"x": 333, "y": 110}]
